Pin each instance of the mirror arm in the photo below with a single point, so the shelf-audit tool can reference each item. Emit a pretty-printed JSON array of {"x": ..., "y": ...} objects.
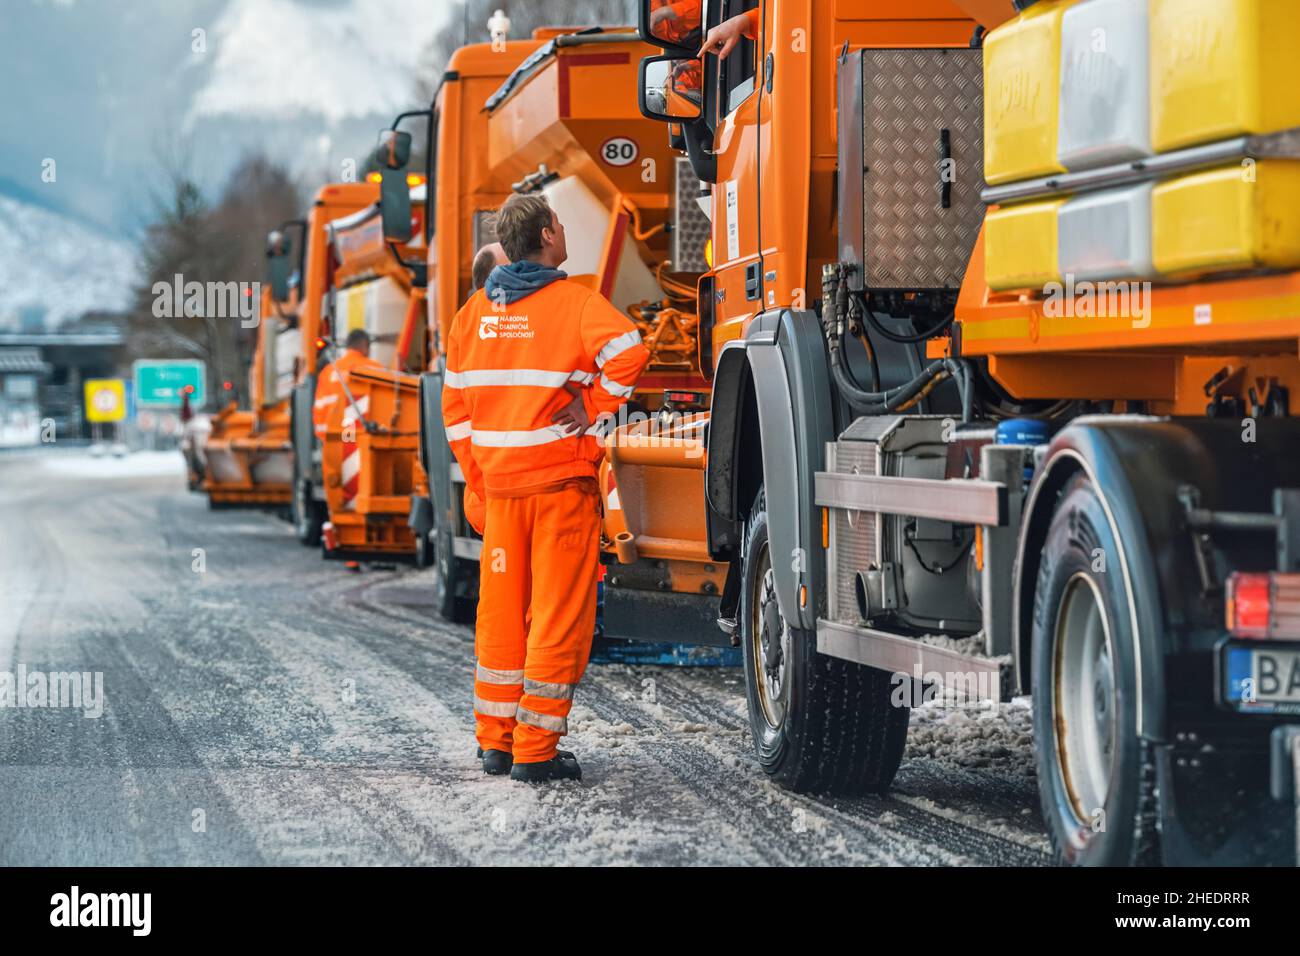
[{"x": 407, "y": 115}]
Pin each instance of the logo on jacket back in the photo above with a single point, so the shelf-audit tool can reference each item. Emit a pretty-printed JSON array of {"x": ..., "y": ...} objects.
[{"x": 514, "y": 326}]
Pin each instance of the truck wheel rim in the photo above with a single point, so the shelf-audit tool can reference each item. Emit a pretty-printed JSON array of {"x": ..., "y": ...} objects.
[
  {"x": 1085, "y": 702},
  {"x": 771, "y": 645}
]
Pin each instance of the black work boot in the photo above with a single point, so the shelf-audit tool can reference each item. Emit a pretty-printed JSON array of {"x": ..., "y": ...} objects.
[
  {"x": 563, "y": 766},
  {"x": 496, "y": 762}
]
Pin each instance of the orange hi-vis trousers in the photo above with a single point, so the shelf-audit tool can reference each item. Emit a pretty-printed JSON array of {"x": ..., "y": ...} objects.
[{"x": 536, "y": 616}]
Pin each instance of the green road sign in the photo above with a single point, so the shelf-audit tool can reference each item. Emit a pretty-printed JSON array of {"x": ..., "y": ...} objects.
[{"x": 160, "y": 383}]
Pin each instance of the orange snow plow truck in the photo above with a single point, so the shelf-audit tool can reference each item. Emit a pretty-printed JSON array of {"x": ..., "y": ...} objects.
[
  {"x": 248, "y": 452},
  {"x": 307, "y": 294},
  {"x": 1002, "y": 327}
]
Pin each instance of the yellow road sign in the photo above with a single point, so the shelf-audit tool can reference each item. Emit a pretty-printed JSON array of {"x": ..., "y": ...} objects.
[{"x": 105, "y": 400}]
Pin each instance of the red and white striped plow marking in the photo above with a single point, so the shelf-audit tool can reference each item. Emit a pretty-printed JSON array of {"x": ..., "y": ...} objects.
[{"x": 351, "y": 468}]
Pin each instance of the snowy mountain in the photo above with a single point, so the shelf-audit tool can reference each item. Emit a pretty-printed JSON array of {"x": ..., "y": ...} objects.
[
  {"x": 112, "y": 89},
  {"x": 53, "y": 269}
]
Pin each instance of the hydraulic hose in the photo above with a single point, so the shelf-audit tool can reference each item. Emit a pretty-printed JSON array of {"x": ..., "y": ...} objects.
[
  {"x": 898, "y": 337},
  {"x": 835, "y": 299}
]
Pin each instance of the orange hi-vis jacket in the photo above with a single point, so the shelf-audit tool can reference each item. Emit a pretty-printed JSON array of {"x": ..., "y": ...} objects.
[
  {"x": 329, "y": 388},
  {"x": 507, "y": 367}
]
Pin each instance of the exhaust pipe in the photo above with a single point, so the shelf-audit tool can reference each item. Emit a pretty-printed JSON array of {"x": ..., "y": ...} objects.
[{"x": 861, "y": 590}]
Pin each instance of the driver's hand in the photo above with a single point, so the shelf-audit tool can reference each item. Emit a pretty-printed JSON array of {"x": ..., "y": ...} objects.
[{"x": 723, "y": 38}]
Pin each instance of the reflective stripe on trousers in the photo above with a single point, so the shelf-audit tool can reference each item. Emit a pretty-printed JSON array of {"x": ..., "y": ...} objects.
[{"x": 537, "y": 615}]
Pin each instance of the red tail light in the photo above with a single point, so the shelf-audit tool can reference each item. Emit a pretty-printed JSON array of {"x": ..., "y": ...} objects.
[{"x": 1263, "y": 606}]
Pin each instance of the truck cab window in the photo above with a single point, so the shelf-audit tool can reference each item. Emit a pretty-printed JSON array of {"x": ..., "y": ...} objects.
[{"x": 737, "y": 75}]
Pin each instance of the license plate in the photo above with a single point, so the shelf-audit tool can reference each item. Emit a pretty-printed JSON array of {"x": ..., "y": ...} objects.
[{"x": 1261, "y": 678}]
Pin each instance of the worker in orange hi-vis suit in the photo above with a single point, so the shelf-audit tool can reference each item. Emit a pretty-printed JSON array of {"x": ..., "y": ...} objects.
[
  {"x": 329, "y": 385},
  {"x": 531, "y": 451}
]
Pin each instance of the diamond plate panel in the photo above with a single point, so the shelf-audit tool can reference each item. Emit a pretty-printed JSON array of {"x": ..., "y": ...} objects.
[
  {"x": 690, "y": 226},
  {"x": 909, "y": 97}
]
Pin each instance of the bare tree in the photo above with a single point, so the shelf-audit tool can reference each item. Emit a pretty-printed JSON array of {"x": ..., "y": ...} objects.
[{"x": 203, "y": 243}]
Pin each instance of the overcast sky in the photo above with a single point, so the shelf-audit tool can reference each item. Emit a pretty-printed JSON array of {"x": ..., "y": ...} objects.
[{"x": 103, "y": 86}]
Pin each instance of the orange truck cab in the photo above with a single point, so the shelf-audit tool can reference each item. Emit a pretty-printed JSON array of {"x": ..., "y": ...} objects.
[{"x": 1001, "y": 358}]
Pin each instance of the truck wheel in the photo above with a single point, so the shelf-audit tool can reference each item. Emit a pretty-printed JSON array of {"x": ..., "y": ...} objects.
[
  {"x": 820, "y": 724},
  {"x": 451, "y": 583},
  {"x": 308, "y": 516},
  {"x": 1096, "y": 780}
]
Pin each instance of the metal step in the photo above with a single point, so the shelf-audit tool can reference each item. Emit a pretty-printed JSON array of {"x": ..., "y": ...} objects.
[{"x": 975, "y": 676}]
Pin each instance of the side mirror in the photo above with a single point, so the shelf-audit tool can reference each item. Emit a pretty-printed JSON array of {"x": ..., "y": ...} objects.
[
  {"x": 671, "y": 89},
  {"x": 391, "y": 155},
  {"x": 671, "y": 25},
  {"x": 395, "y": 205},
  {"x": 394, "y": 149},
  {"x": 278, "y": 264}
]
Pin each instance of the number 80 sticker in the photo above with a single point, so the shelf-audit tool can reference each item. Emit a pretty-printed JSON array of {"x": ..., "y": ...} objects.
[{"x": 619, "y": 151}]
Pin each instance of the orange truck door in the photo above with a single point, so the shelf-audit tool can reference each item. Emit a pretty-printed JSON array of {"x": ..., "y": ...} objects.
[{"x": 736, "y": 253}]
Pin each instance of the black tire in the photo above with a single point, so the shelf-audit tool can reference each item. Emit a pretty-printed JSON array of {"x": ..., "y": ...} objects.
[
  {"x": 1080, "y": 601},
  {"x": 840, "y": 731},
  {"x": 453, "y": 589},
  {"x": 307, "y": 514}
]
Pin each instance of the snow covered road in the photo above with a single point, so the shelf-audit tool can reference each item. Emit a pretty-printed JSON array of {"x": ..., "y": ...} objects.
[{"x": 263, "y": 706}]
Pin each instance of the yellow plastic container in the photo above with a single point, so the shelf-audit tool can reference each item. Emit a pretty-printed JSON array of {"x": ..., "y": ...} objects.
[
  {"x": 1222, "y": 68},
  {"x": 1022, "y": 91},
  {"x": 1021, "y": 249},
  {"x": 1237, "y": 217}
]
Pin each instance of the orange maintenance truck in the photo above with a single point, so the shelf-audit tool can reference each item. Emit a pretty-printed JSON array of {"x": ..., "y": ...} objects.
[
  {"x": 1002, "y": 326},
  {"x": 312, "y": 331},
  {"x": 249, "y": 454}
]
